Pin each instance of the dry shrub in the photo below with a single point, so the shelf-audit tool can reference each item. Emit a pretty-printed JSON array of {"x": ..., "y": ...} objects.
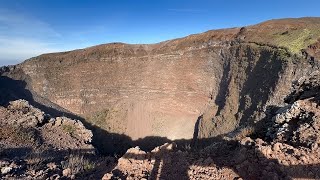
[
  {"x": 69, "y": 129},
  {"x": 36, "y": 160},
  {"x": 1, "y": 150},
  {"x": 244, "y": 132},
  {"x": 78, "y": 164},
  {"x": 20, "y": 134}
]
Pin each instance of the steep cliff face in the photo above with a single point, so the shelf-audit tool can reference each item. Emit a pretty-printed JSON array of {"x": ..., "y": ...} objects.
[
  {"x": 137, "y": 90},
  {"x": 255, "y": 78},
  {"x": 229, "y": 76}
]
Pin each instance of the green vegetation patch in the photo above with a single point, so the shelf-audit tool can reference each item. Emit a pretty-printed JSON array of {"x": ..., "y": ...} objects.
[
  {"x": 69, "y": 129},
  {"x": 111, "y": 119},
  {"x": 99, "y": 118},
  {"x": 296, "y": 40}
]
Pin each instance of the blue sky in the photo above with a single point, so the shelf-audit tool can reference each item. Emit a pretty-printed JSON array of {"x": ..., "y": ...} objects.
[{"x": 33, "y": 27}]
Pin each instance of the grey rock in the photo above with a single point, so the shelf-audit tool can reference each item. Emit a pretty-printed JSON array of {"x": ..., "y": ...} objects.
[{"x": 6, "y": 170}]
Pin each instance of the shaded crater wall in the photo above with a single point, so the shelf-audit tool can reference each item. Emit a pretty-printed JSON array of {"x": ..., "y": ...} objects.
[{"x": 254, "y": 77}]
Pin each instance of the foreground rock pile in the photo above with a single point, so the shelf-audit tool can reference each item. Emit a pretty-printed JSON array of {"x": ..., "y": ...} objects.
[
  {"x": 52, "y": 131},
  {"x": 288, "y": 149},
  {"x": 34, "y": 145}
]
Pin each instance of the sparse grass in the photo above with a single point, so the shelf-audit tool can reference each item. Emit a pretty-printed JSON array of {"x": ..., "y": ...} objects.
[
  {"x": 69, "y": 129},
  {"x": 78, "y": 164},
  {"x": 37, "y": 160},
  {"x": 111, "y": 120},
  {"x": 187, "y": 147},
  {"x": 99, "y": 118},
  {"x": 297, "y": 39},
  {"x": 1, "y": 150},
  {"x": 293, "y": 40},
  {"x": 244, "y": 132},
  {"x": 292, "y": 36},
  {"x": 20, "y": 134}
]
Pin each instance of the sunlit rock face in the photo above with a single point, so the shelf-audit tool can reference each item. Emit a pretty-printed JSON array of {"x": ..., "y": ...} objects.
[{"x": 136, "y": 90}]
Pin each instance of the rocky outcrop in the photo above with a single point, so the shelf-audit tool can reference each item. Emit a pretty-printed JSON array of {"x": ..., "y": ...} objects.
[
  {"x": 138, "y": 164},
  {"x": 302, "y": 114},
  {"x": 126, "y": 168},
  {"x": 34, "y": 145},
  {"x": 60, "y": 132},
  {"x": 305, "y": 87},
  {"x": 23, "y": 114},
  {"x": 78, "y": 137}
]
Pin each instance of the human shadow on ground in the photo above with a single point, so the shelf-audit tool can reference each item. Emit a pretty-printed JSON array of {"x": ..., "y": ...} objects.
[{"x": 247, "y": 161}]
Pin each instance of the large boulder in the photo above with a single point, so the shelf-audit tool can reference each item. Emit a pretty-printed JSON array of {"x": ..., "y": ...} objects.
[{"x": 24, "y": 114}]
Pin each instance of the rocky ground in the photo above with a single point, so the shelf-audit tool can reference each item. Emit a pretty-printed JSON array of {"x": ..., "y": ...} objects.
[
  {"x": 34, "y": 145},
  {"x": 286, "y": 146}
]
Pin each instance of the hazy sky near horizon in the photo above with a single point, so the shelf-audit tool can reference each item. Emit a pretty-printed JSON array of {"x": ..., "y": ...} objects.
[{"x": 33, "y": 27}]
